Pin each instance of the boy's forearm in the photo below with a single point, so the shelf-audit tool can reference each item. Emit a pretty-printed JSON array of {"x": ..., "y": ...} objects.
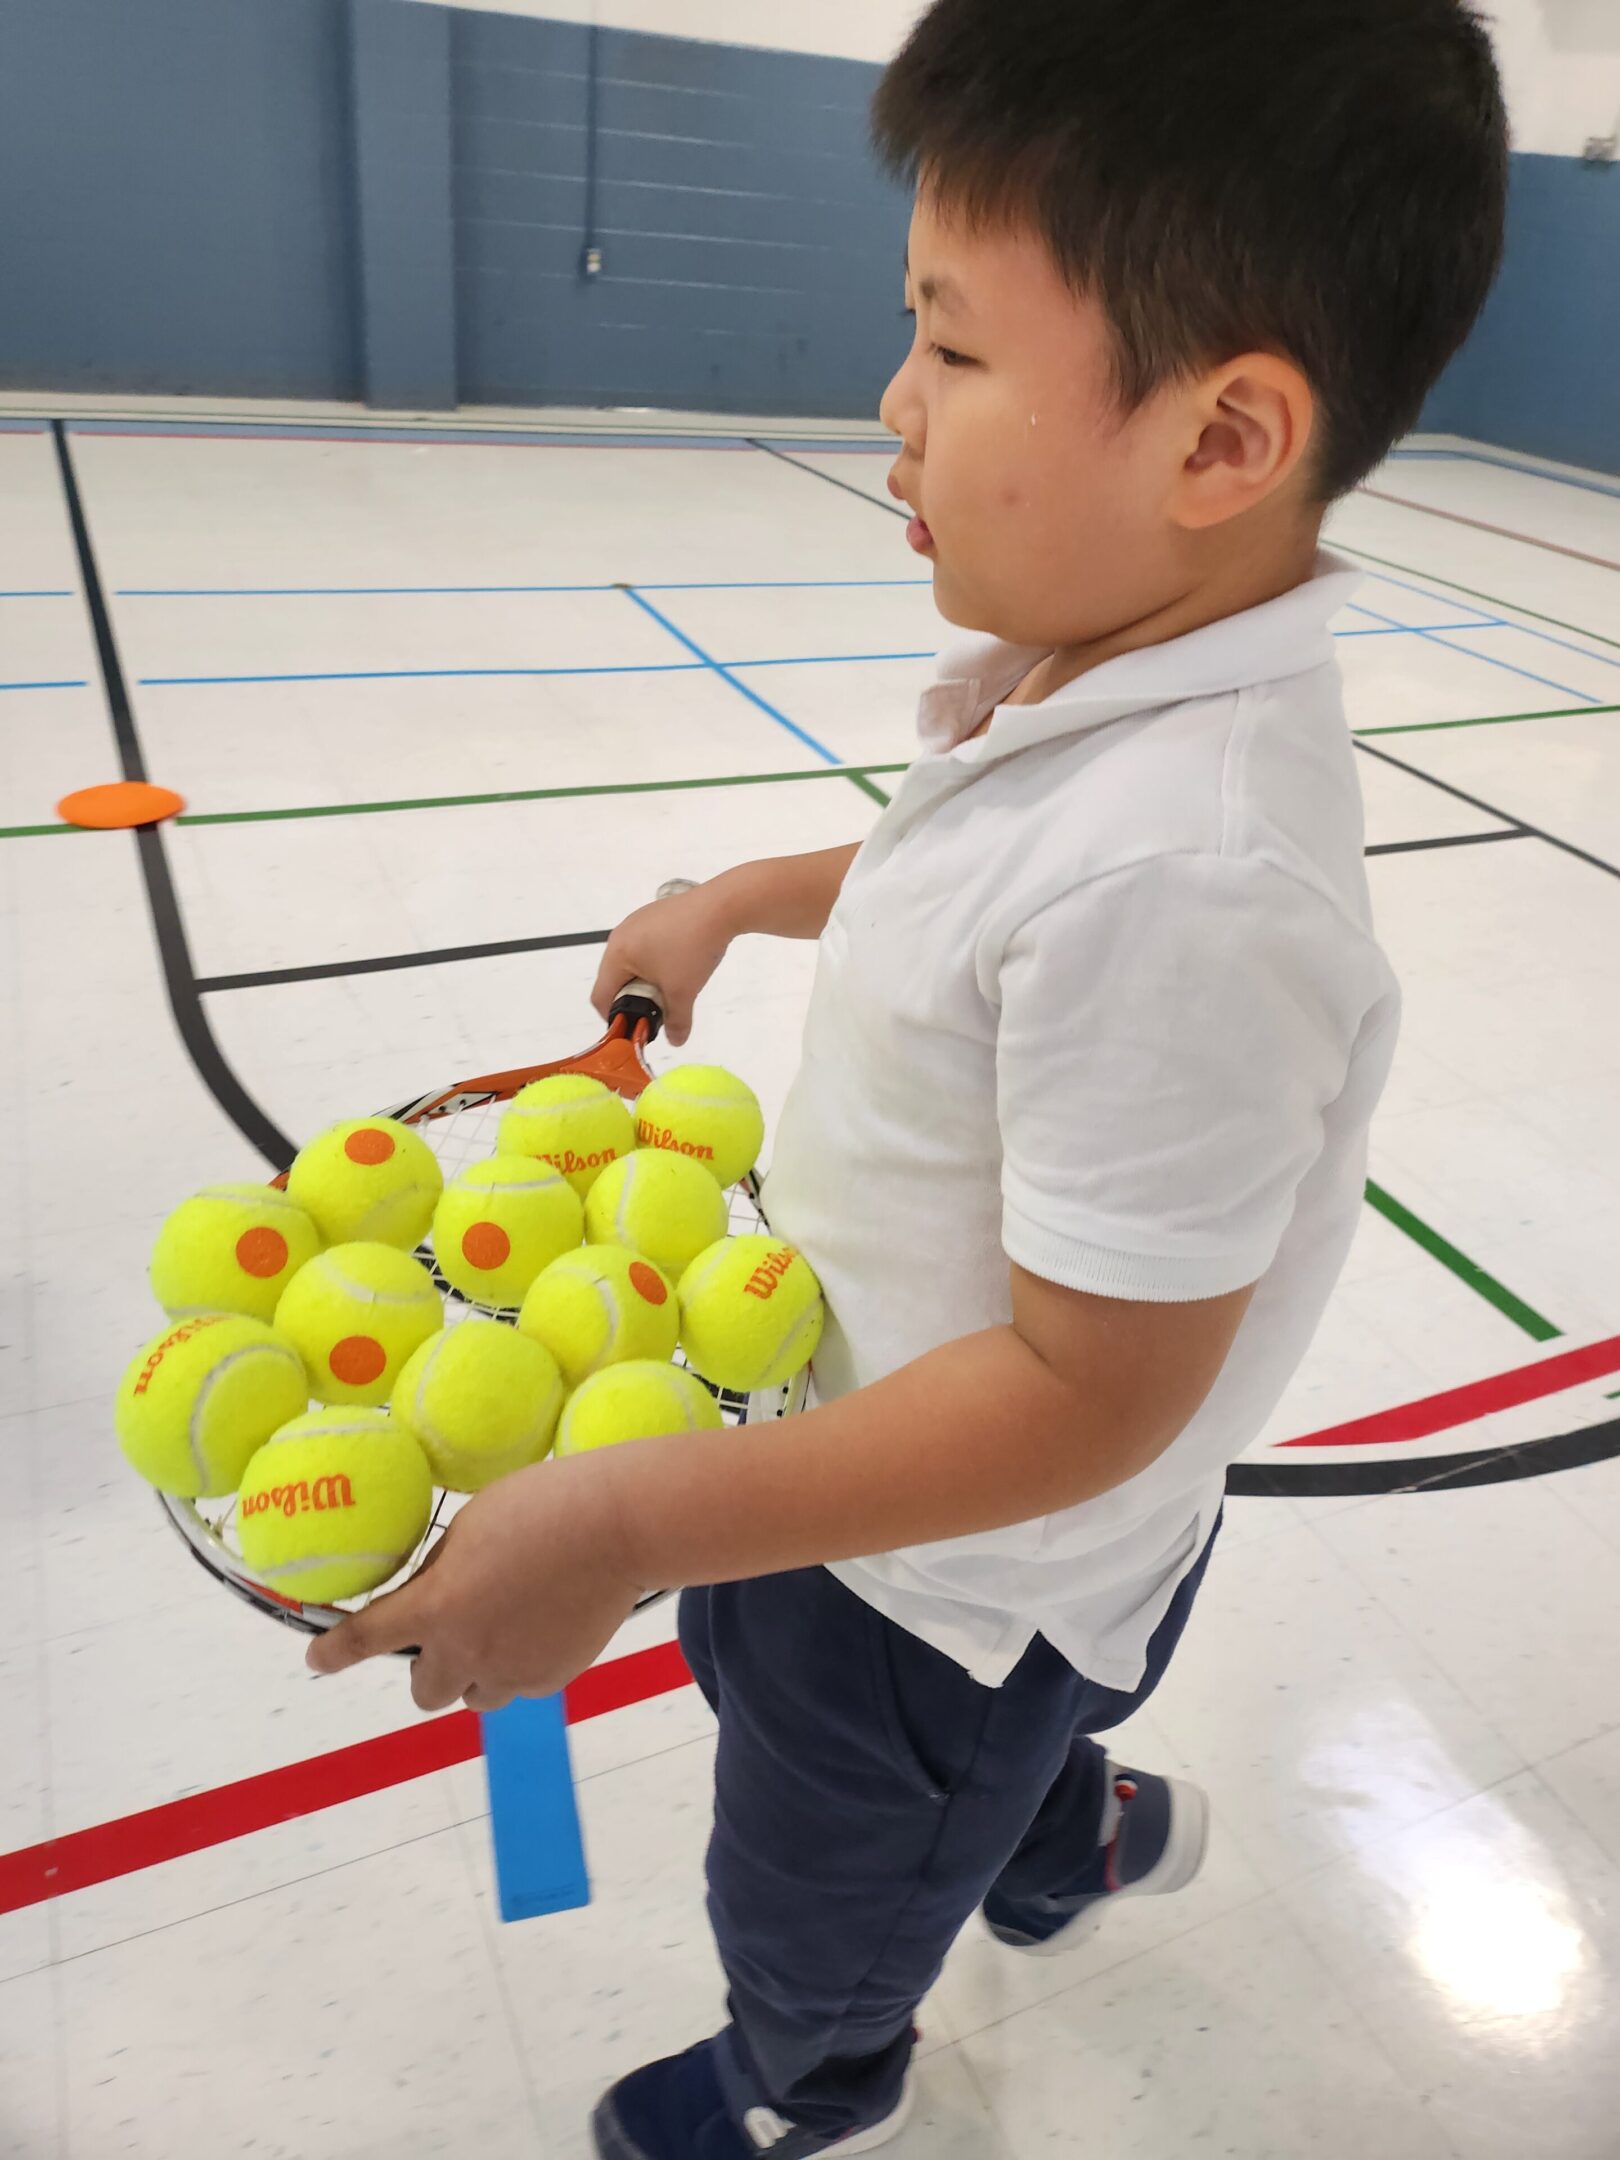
[
  {"x": 787, "y": 896},
  {"x": 974, "y": 1436}
]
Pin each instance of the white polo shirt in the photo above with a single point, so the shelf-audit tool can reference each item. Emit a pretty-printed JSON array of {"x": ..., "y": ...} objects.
[{"x": 1100, "y": 996}]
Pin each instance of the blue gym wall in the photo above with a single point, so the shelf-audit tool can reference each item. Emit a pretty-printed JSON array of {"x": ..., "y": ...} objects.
[
  {"x": 346, "y": 198},
  {"x": 175, "y": 207},
  {"x": 1542, "y": 371}
]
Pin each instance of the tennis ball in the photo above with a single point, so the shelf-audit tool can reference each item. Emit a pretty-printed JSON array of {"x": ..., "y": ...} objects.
[
  {"x": 199, "y": 1399},
  {"x": 354, "y": 1315},
  {"x": 333, "y": 1504},
  {"x": 572, "y": 1122},
  {"x": 598, "y": 1306},
  {"x": 635, "y": 1401},
  {"x": 371, "y": 1179},
  {"x": 662, "y": 1205},
  {"x": 707, "y": 1113},
  {"x": 231, "y": 1248},
  {"x": 499, "y": 1223},
  {"x": 751, "y": 1312},
  {"x": 481, "y": 1400}
]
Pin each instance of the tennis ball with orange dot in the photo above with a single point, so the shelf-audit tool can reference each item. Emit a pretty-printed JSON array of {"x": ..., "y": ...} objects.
[
  {"x": 231, "y": 1248},
  {"x": 499, "y": 1223},
  {"x": 598, "y": 1306},
  {"x": 354, "y": 1314},
  {"x": 370, "y": 1180}
]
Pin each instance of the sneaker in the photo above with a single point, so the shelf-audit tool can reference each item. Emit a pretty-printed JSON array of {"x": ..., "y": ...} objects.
[
  {"x": 1155, "y": 1835},
  {"x": 676, "y": 2110}
]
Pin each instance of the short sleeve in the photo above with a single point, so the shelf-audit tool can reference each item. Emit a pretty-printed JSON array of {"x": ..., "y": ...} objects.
[{"x": 1169, "y": 1040}]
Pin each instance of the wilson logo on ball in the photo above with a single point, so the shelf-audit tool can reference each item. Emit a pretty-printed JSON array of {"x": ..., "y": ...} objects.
[
  {"x": 662, "y": 1136},
  {"x": 171, "y": 1342},
  {"x": 762, "y": 1283},
  {"x": 567, "y": 1162},
  {"x": 305, "y": 1498}
]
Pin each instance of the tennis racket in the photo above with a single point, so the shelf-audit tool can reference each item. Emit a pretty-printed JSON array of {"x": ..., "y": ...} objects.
[
  {"x": 539, "y": 1853},
  {"x": 460, "y": 1122}
]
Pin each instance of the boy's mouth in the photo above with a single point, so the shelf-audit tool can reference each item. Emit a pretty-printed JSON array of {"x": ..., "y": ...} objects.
[{"x": 919, "y": 537}]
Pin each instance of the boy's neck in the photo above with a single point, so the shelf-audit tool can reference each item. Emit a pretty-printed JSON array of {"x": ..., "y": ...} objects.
[{"x": 1228, "y": 582}]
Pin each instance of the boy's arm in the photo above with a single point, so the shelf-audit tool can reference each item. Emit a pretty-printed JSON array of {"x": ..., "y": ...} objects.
[
  {"x": 1079, "y": 1394},
  {"x": 678, "y": 943}
]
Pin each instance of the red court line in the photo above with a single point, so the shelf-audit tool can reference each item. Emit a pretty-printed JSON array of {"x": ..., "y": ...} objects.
[
  {"x": 132, "y": 1842},
  {"x": 1462, "y": 1405},
  {"x": 177, "y": 1827}
]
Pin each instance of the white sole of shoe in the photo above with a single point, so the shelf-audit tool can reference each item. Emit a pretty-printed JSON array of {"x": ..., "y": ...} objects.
[
  {"x": 1177, "y": 1866},
  {"x": 865, "y": 2141}
]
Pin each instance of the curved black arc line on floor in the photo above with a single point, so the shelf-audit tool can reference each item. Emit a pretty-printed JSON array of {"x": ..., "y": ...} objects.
[{"x": 174, "y": 953}]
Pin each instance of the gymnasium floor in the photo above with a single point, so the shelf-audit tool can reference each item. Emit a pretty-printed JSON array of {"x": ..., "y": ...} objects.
[{"x": 444, "y": 703}]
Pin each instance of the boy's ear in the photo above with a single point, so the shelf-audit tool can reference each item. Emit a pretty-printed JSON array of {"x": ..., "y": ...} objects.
[{"x": 1248, "y": 424}]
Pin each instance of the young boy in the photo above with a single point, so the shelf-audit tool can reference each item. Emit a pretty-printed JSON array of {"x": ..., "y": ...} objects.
[{"x": 1099, "y": 1022}]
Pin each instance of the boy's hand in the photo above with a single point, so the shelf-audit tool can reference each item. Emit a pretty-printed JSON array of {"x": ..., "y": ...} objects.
[
  {"x": 523, "y": 1591},
  {"x": 676, "y": 945}
]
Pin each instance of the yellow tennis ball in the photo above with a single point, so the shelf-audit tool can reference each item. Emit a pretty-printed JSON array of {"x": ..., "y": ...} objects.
[
  {"x": 481, "y": 1400},
  {"x": 354, "y": 1315},
  {"x": 368, "y": 1179},
  {"x": 599, "y": 1306},
  {"x": 499, "y": 1223},
  {"x": 231, "y": 1248},
  {"x": 751, "y": 1312},
  {"x": 199, "y": 1399},
  {"x": 333, "y": 1504},
  {"x": 707, "y": 1113},
  {"x": 635, "y": 1401},
  {"x": 664, "y": 1206},
  {"x": 572, "y": 1122}
]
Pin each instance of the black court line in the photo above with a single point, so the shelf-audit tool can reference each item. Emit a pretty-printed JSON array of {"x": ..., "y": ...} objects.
[
  {"x": 447, "y": 955},
  {"x": 386, "y": 963},
  {"x": 1389, "y": 1476},
  {"x": 1477, "y": 802},
  {"x": 1461, "y": 839},
  {"x": 756, "y": 442},
  {"x": 174, "y": 953}
]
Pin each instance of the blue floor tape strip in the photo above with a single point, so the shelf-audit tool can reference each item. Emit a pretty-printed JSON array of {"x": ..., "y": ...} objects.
[{"x": 534, "y": 1819}]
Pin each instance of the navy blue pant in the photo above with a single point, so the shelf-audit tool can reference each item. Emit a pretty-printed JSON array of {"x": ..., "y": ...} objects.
[{"x": 868, "y": 1793}]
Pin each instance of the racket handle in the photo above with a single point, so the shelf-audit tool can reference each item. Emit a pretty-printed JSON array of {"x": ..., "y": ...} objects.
[{"x": 644, "y": 1000}]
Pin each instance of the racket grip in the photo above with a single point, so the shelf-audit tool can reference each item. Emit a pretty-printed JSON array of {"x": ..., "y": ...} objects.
[{"x": 644, "y": 1000}]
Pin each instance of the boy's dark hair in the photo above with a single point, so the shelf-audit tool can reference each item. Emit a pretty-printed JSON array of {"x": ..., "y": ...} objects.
[{"x": 1324, "y": 179}]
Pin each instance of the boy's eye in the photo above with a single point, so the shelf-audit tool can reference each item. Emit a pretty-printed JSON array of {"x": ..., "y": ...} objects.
[{"x": 946, "y": 355}]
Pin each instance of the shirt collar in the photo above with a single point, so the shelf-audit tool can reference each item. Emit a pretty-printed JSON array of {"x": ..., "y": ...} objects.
[{"x": 1286, "y": 636}]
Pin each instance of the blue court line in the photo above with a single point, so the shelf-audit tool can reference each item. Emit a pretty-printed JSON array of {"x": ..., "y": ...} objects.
[
  {"x": 1443, "y": 640},
  {"x": 71, "y": 682},
  {"x": 725, "y": 675},
  {"x": 1493, "y": 622},
  {"x": 653, "y": 667},
  {"x": 48, "y": 593},
  {"x": 311, "y": 592},
  {"x": 1528, "y": 472},
  {"x": 645, "y": 667}
]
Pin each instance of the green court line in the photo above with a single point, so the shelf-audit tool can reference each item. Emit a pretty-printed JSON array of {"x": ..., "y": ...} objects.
[
  {"x": 1466, "y": 1271},
  {"x": 1386, "y": 562},
  {"x": 859, "y": 774},
  {"x": 1501, "y": 719}
]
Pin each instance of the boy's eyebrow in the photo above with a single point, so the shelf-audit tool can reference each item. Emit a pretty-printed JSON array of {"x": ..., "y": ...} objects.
[{"x": 940, "y": 292}]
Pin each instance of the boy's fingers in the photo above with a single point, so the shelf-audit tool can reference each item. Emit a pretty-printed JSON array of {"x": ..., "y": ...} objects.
[
  {"x": 392, "y": 1623},
  {"x": 437, "y": 1684}
]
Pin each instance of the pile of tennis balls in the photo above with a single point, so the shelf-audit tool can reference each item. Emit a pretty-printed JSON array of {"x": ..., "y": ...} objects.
[{"x": 600, "y": 1236}]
